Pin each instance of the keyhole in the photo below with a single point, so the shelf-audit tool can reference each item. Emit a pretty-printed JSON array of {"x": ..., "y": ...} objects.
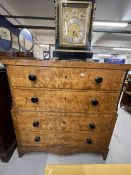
[
  {"x": 65, "y": 98},
  {"x": 65, "y": 77}
]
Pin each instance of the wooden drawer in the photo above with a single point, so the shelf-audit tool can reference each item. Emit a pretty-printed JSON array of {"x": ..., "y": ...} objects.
[
  {"x": 34, "y": 138},
  {"x": 64, "y": 100},
  {"x": 64, "y": 122},
  {"x": 66, "y": 78},
  {"x": 103, "y": 123}
]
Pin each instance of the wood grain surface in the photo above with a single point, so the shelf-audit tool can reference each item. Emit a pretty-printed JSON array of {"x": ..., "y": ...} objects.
[
  {"x": 71, "y": 64},
  {"x": 64, "y": 122},
  {"x": 65, "y": 78},
  {"x": 47, "y": 139},
  {"x": 64, "y": 100},
  {"x": 58, "y": 111},
  {"x": 63, "y": 150}
]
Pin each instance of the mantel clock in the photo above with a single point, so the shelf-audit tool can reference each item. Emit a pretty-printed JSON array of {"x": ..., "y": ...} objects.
[{"x": 73, "y": 28}]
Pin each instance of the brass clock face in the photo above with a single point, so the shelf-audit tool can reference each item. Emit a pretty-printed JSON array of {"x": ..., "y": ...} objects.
[
  {"x": 74, "y": 23},
  {"x": 73, "y": 31}
]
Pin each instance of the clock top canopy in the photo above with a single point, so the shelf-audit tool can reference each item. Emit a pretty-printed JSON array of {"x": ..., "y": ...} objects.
[{"x": 74, "y": 19}]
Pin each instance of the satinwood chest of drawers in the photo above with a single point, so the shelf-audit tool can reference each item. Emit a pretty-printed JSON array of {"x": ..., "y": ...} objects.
[{"x": 64, "y": 107}]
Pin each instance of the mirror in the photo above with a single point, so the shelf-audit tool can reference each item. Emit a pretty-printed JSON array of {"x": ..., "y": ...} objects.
[
  {"x": 5, "y": 39},
  {"x": 25, "y": 40}
]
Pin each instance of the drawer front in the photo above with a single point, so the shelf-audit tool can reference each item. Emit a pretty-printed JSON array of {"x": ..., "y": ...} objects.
[
  {"x": 67, "y": 78},
  {"x": 64, "y": 122},
  {"x": 68, "y": 101},
  {"x": 29, "y": 138}
]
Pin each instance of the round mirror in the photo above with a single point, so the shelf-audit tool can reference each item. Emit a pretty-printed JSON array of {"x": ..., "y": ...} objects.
[
  {"x": 25, "y": 40},
  {"x": 5, "y": 39}
]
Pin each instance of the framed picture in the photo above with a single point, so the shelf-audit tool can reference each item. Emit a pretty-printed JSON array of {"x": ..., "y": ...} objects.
[
  {"x": 46, "y": 52},
  {"x": 15, "y": 43},
  {"x": 5, "y": 39},
  {"x": 5, "y": 34}
]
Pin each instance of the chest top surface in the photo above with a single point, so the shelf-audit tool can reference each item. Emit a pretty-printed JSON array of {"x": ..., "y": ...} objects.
[{"x": 65, "y": 64}]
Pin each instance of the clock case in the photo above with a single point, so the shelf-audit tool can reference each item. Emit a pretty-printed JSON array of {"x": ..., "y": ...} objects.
[{"x": 72, "y": 51}]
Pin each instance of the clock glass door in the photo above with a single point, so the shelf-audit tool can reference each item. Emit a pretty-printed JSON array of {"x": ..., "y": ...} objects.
[{"x": 74, "y": 23}]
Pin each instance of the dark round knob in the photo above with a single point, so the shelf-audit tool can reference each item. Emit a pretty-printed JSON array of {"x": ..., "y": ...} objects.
[
  {"x": 32, "y": 77},
  {"x": 94, "y": 102},
  {"x": 34, "y": 99},
  {"x": 89, "y": 140},
  {"x": 92, "y": 126},
  {"x": 99, "y": 80},
  {"x": 36, "y": 124},
  {"x": 37, "y": 139}
]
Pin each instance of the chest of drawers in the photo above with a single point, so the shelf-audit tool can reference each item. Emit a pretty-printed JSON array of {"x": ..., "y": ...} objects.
[{"x": 64, "y": 107}]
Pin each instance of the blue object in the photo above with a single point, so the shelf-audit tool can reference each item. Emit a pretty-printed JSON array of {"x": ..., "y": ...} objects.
[{"x": 114, "y": 61}]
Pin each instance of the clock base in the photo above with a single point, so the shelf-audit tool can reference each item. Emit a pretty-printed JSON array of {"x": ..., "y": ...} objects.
[{"x": 72, "y": 54}]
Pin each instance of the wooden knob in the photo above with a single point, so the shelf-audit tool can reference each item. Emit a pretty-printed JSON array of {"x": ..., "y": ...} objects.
[
  {"x": 34, "y": 99},
  {"x": 89, "y": 141},
  {"x": 32, "y": 77},
  {"x": 95, "y": 102},
  {"x": 92, "y": 126},
  {"x": 37, "y": 139},
  {"x": 36, "y": 123},
  {"x": 99, "y": 80}
]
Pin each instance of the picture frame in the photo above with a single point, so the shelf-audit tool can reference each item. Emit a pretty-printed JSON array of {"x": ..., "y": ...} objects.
[{"x": 5, "y": 38}]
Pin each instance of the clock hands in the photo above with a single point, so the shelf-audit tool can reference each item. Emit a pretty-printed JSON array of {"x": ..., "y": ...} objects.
[
  {"x": 73, "y": 30},
  {"x": 75, "y": 34}
]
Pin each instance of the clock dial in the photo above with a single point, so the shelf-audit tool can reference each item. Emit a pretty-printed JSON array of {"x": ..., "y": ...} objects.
[
  {"x": 74, "y": 31},
  {"x": 74, "y": 23}
]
